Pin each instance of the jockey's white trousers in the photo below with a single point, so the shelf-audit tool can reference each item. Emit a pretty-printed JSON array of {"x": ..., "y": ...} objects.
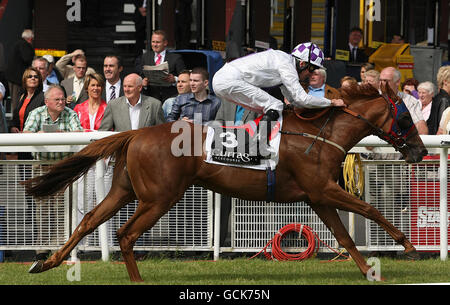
[{"x": 229, "y": 85}]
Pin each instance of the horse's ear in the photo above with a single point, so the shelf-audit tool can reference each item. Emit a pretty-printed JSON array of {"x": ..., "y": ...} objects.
[
  {"x": 386, "y": 89},
  {"x": 383, "y": 87}
]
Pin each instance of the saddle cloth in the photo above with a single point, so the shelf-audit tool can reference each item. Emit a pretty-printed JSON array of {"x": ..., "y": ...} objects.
[{"x": 238, "y": 145}]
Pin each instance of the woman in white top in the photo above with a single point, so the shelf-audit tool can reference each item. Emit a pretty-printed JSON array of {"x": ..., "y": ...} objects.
[{"x": 91, "y": 111}]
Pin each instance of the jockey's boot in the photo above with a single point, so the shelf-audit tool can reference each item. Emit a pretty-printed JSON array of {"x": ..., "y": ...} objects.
[{"x": 265, "y": 128}]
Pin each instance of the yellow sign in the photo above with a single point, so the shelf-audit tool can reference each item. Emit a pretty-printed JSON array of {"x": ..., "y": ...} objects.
[
  {"x": 52, "y": 52},
  {"x": 219, "y": 45},
  {"x": 342, "y": 55}
]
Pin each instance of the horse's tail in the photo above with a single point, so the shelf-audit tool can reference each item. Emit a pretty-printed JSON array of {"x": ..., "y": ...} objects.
[{"x": 67, "y": 171}]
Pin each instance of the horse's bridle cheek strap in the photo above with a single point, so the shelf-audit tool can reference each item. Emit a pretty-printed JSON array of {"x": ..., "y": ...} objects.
[{"x": 390, "y": 137}]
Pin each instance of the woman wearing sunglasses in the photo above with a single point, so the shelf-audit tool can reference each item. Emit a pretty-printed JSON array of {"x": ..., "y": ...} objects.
[
  {"x": 31, "y": 97},
  {"x": 240, "y": 81}
]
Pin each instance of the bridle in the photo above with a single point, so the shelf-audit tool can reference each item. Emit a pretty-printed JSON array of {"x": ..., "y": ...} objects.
[{"x": 396, "y": 136}]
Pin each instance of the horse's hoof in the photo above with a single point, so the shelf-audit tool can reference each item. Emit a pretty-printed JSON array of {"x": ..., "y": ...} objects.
[
  {"x": 412, "y": 255},
  {"x": 36, "y": 267}
]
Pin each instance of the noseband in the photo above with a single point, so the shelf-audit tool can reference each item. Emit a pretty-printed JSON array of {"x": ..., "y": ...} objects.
[{"x": 396, "y": 136}]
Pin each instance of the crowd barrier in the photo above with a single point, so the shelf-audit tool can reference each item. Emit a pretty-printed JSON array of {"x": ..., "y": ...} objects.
[{"x": 193, "y": 224}]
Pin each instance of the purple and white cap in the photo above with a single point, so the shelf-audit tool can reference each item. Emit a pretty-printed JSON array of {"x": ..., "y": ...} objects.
[{"x": 309, "y": 52}]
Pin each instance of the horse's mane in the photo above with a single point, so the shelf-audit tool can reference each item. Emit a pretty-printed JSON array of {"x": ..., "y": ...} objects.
[{"x": 359, "y": 92}]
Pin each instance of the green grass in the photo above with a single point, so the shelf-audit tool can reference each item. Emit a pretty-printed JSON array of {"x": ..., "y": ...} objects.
[{"x": 238, "y": 271}]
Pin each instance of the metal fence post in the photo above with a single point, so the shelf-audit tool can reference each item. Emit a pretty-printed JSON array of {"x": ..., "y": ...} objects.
[
  {"x": 74, "y": 215},
  {"x": 443, "y": 203},
  {"x": 100, "y": 194},
  {"x": 217, "y": 203}
]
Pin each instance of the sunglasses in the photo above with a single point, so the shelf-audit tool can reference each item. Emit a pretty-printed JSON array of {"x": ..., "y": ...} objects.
[{"x": 33, "y": 76}]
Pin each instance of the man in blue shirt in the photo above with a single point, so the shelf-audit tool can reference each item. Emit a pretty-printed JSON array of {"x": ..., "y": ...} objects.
[
  {"x": 198, "y": 106},
  {"x": 317, "y": 86},
  {"x": 317, "y": 83}
]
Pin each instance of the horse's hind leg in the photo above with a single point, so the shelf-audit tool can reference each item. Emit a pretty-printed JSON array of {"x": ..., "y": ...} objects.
[
  {"x": 331, "y": 219},
  {"x": 145, "y": 217},
  {"x": 120, "y": 195}
]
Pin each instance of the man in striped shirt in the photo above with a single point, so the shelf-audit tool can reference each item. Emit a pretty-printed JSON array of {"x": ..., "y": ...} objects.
[
  {"x": 198, "y": 106},
  {"x": 54, "y": 116}
]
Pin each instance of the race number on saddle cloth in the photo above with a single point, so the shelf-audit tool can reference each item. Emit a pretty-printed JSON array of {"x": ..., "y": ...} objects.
[{"x": 239, "y": 145}]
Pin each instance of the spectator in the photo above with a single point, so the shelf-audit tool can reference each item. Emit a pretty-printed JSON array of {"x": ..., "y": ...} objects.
[
  {"x": 364, "y": 68},
  {"x": 63, "y": 119},
  {"x": 357, "y": 55},
  {"x": 348, "y": 81},
  {"x": 409, "y": 86},
  {"x": 66, "y": 69},
  {"x": 391, "y": 76},
  {"x": 32, "y": 98},
  {"x": 54, "y": 112},
  {"x": 397, "y": 38},
  {"x": 442, "y": 99},
  {"x": 74, "y": 86},
  {"x": 156, "y": 56},
  {"x": 444, "y": 126},
  {"x": 197, "y": 102},
  {"x": 42, "y": 65},
  {"x": 3, "y": 123},
  {"x": 21, "y": 56},
  {"x": 372, "y": 77},
  {"x": 183, "y": 19},
  {"x": 112, "y": 67},
  {"x": 183, "y": 86},
  {"x": 54, "y": 76},
  {"x": 139, "y": 19},
  {"x": 133, "y": 110},
  {"x": 426, "y": 93},
  {"x": 90, "y": 112},
  {"x": 318, "y": 87}
]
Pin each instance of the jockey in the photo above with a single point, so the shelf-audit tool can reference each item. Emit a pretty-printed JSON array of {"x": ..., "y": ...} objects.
[{"x": 240, "y": 81}]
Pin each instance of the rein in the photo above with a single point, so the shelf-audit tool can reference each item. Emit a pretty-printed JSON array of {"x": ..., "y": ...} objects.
[
  {"x": 299, "y": 111},
  {"x": 396, "y": 139}
]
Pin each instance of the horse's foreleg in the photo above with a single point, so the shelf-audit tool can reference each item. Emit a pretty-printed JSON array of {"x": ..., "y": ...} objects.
[
  {"x": 333, "y": 195},
  {"x": 331, "y": 219},
  {"x": 116, "y": 198},
  {"x": 145, "y": 217}
]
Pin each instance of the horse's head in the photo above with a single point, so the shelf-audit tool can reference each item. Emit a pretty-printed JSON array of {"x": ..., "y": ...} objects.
[
  {"x": 389, "y": 118},
  {"x": 400, "y": 130}
]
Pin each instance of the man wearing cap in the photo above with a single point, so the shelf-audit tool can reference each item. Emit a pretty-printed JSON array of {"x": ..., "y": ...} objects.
[
  {"x": 54, "y": 76},
  {"x": 240, "y": 81}
]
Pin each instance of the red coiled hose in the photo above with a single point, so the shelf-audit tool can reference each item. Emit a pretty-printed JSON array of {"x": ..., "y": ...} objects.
[{"x": 278, "y": 254}]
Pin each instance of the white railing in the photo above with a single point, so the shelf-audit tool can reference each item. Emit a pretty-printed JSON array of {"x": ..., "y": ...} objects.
[{"x": 73, "y": 142}]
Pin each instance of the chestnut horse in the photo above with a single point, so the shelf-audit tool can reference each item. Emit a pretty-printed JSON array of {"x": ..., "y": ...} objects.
[{"x": 147, "y": 170}]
